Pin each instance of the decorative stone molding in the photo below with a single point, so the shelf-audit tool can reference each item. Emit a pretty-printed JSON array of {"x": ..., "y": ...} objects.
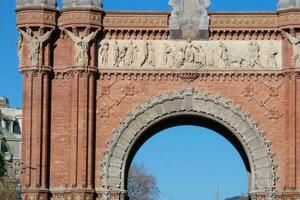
[{"x": 190, "y": 102}]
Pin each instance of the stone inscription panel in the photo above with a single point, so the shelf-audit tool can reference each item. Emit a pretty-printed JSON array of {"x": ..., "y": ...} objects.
[{"x": 190, "y": 55}]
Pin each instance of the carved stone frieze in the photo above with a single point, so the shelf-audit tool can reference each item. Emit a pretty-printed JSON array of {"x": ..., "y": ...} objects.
[
  {"x": 190, "y": 55},
  {"x": 189, "y": 101}
]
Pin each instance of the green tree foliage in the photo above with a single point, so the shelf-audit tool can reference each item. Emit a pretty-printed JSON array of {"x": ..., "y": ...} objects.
[{"x": 141, "y": 184}]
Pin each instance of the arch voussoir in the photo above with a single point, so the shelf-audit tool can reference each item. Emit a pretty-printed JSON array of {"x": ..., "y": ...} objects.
[{"x": 189, "y": 101}]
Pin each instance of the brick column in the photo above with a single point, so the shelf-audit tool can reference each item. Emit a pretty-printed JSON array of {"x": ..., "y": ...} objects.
[
  {"x": 35, "y": 149},
  {"x": 36, "y": 25}
]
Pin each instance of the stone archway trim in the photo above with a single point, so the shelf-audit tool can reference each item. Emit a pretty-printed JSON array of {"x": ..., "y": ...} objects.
[{"x": 263, "y": 169}]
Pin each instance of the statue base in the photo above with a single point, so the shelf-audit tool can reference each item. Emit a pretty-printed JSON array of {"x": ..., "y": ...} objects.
[{"x": 189, "y": 34}]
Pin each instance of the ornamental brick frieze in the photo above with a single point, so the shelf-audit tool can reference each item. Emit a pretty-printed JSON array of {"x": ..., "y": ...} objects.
[
  {"x": 244, "y": 21},
  {"x": 136, "y": 20},
  {"x": 36, "y": 17},
  {"x": 289, "y": 19},
  {"x": 80, "y": 18},
  {"x": 136, "y": 34},
  {"x": 223, "y": 34},
  {"x": 190, "y": 55}
]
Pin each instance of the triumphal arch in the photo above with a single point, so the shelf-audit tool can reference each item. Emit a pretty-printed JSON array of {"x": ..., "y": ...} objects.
[{"x": 97, "y": 85}]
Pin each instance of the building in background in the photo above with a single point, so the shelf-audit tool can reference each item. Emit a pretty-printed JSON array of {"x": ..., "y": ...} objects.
[{"x": 11, "y": 126}]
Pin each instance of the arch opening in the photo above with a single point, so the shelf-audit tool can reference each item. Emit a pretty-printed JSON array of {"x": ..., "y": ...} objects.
[
  {"x": 183, "y": 106},
  {"x": 191, "y": 119}
]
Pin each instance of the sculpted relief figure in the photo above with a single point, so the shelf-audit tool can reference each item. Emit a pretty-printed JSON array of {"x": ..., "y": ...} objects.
[
  {"x": 103, "y": 54},
  {"x": 190, "y": 52},
  {"x": 200, "y": 57},
  {"x": 223, "y": 56},
  {"x": 20, "y": 49},
  {"x": 167, "y": 57},
  {"x": 122, "y": 61},
  {"x": 116, "y": 54},
  {"x": 35, "y": 44},
  {"x": 82, "y": 45},
  {"x": 144, "y": 53},
  {"x": 272, "y": 53},
  {"x": 296, "y": 48},
  {"x": 180, "y": 57},
  {"x": 254, "y": 57},
  {"x": 151, "y": 57},
  {"x": 131, "y": 54}
]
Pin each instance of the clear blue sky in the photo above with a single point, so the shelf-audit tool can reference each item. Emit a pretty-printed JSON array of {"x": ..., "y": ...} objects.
[{"x": 215, "y": 162}]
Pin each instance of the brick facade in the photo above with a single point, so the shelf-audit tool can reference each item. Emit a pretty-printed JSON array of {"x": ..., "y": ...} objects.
[{"x": 70, "y": 111}]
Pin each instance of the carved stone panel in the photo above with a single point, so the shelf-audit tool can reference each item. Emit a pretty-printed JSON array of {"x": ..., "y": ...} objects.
[{"x": 190, "y": 55}]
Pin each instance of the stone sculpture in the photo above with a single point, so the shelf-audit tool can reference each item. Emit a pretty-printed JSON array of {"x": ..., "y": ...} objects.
[
  {"x": 167, "y": 58},
  {"x": 116, "y": 54},
  {"x": 200, "y": 57},
  {"x": 144, "y": 53},
  {"x": 131, "y": 54},
  {"x": 20, "y": 49},
  {"x": 151, "y": 57},
  {"x": 180, "y": 57},
  {"x": 272, "y": 53},
  {"x": 296, "y": 48},
  {"x": 223, "y": 56},
  {"x": 288, "y": 4},
  {"x": 40, "y": 3},
  {"x": 35, "y": 44},
  {"x": 103, "y": 54},
  {"x": 82, "y": 45},
  {"x": 189, "y": 19},
  {"x": 122, "y": 61},
  {"x": 254, "y": 57}
]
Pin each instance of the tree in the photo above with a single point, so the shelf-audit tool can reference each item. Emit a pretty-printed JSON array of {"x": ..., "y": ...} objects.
[{"x": 141, "y": 184}]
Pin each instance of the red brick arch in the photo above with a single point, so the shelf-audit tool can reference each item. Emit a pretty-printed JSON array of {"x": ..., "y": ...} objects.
[{"x": 190, "y": 102}]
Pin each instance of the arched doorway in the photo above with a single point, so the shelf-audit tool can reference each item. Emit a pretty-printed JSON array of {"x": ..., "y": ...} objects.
[{"x": 190, "y": 107}]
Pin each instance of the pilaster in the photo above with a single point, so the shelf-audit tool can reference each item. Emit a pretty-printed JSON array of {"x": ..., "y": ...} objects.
[{"x": 36, "y": 25}]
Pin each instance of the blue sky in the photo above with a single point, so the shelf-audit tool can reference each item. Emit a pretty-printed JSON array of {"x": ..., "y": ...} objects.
[{"x": 215, "y": 162}]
